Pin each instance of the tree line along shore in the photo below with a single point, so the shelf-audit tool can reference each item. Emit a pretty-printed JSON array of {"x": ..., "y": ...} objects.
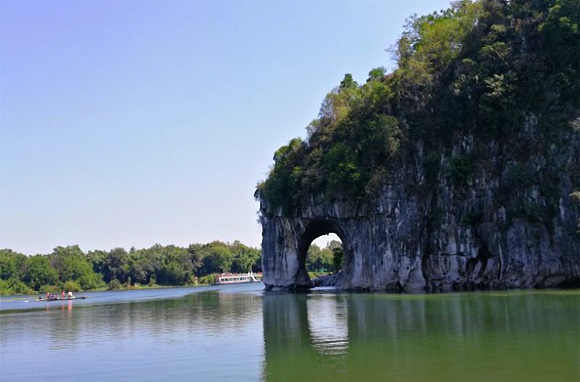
[{"x": 69, "y": 268}]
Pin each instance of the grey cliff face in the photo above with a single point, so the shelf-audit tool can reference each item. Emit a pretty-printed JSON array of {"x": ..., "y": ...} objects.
[{"x": 489, "y": 230}]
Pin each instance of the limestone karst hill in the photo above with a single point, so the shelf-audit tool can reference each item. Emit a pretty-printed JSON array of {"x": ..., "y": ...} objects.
[{"x": 459, "y": 170}]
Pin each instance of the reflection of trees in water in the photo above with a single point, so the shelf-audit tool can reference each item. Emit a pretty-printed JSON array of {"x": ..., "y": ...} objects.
[
  {"x": 207, "y": 310},
  {"x": 456, "y": 330},
  {"x": 168, "y": 319},
  {"x": 204, "y": 336},
  {"x": 347, "y": 337}
]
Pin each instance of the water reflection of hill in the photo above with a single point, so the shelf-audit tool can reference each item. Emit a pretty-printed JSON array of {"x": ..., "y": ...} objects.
[{"x": 505, "y": 336}]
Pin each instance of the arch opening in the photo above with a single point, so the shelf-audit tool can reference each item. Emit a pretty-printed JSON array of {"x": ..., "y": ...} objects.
[{"x": 321, "y": 253}]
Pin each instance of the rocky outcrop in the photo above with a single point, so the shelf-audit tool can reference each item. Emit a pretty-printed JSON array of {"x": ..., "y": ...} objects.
[
  {"x": 502, "y": 223},
  {"x": 331, "y": 280}
]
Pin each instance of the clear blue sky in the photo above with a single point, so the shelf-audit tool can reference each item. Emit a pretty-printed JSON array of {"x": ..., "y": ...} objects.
[{"x": 134, "y": 122}]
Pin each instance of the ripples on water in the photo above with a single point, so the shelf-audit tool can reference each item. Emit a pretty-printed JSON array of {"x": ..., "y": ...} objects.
[
  {"x": 237, "y": 333},
  {"x": 153, "y": 335},
  {"x": 327, "y": 323}
]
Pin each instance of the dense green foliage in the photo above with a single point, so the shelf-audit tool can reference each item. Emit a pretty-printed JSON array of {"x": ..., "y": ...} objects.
[
  {"x": 324, "y": 260},
  {"x": 69, "y": 268},
  {"x": 482, "y": 68}
]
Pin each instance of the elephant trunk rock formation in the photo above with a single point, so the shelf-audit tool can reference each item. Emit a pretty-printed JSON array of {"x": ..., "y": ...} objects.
[{"x": 413, "y": 237}]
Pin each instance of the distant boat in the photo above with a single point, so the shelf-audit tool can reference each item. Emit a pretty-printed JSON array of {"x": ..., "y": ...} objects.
[
  {"x": 238, "y": 278},
  {"x": 57, "y": 298}
]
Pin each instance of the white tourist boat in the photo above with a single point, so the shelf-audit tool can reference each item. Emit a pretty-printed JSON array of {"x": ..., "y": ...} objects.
[{"x": 238, "y": 278}]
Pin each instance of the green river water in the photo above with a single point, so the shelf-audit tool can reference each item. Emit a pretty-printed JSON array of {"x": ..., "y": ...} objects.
[{"x": 240, "y": 333}]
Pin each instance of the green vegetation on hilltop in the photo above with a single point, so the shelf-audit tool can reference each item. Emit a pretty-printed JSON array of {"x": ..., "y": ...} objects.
[
  {"x": 69, "y": 268},
  {"x": 483, "y": 68}
]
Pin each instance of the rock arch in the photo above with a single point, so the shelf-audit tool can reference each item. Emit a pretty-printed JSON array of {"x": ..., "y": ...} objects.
[
  {"x": 286, "y": 241},
  {"x": 372, "y": 259},
  {"x": 315, "y": 228}
]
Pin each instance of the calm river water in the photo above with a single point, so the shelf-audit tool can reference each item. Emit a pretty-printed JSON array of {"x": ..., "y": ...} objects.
[{"x": 238, "y": 333}]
